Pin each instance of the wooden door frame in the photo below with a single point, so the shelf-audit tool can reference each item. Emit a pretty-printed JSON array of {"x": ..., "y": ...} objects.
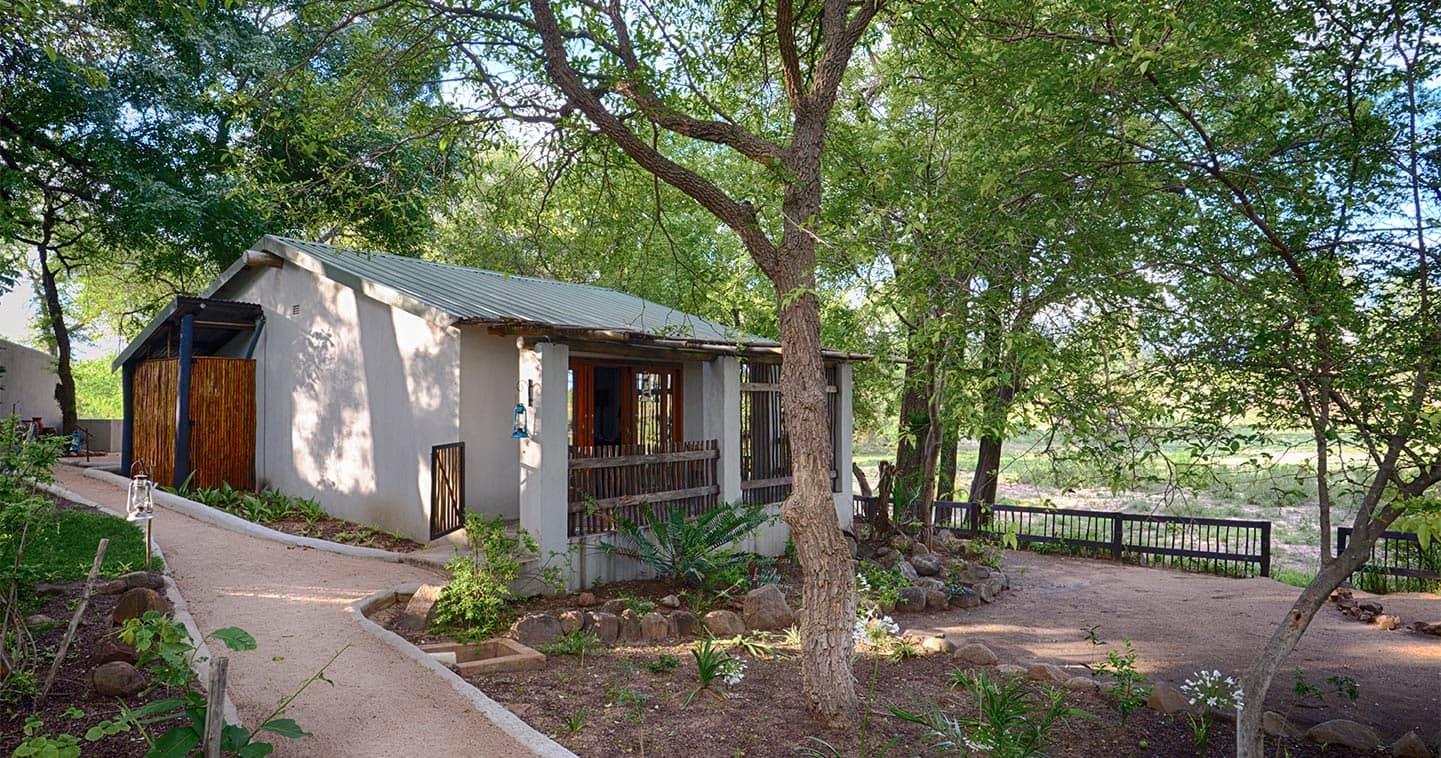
[{"x": 583, "y": 389}]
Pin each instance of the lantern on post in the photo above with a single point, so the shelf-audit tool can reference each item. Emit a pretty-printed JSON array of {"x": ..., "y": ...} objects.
[
  {"x": 520, "y": 430},
  {"x": 140, "y": 504}
]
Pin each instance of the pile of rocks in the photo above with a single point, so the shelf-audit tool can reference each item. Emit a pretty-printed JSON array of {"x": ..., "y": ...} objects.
[
  {"x": 1366, "y": 611},
  {"x": 938, "y": 583},
  {"x": 113, "y": 672}
]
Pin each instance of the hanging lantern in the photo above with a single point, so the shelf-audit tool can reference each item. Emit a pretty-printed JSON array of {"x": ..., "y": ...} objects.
[
  {"x": 140, "y": 501},
  {"x": 520, "y": 430}
]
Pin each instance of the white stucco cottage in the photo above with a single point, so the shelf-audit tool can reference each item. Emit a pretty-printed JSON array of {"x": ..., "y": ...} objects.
[{"x": 399, "y": 392}]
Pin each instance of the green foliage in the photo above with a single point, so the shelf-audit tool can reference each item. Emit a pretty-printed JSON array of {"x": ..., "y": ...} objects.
[
  {"x": 38, "y": 745},
  {"x": 97, "y": 389},
  {"x": 713, "y": 662},
  {"x": 577, "y": 720},
  {"x": 474, "y": 603},
  {"x": 1011, "y": 721},
  {"x": 664, "y": 664},
  {"x": 1126, "y": 685},
  {"x": 265, "y": 507},
  {"x": 877, "y": 587},
  {"x": 690, "y": 550},
  {"x": 578, "y": 642},
  {"x": 61, "y": 545}
]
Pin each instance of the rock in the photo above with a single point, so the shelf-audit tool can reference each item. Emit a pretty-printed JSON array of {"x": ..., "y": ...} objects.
[
  {"x": 615, "y": 606},
  {"x": 40, "y": 620},
  {"x": 1425, "y": 628},
  {"x": 930, "y": 583},
  {"x": 926, "y": 565},
  {"x": 1388, "y": 622},
  {"x": 1081, "y": 684},
  {"x": 1009, "y": 670},
  {"x": 630, "y": 626},
  {"x": 936, "y": 600},
  {"x": 1344, "y": 733},
  {"x": 920, "y": 549},
  {"x": 670, "y": 601},
  {"x": 1277, "y": 725},
  {"x": 46, "y": 589},
  {"x": 983, "y": 591},
  {"x": 1370, "y": 606},
  {"x": 883, "y": 551},
  {"x": 117, "y": 679},
  {"x": 977, "y": 654},
  {"x": 964, "y": 597},
  {"x": 938, "y": 644},
  {"x": 586, "y": 600},
  {"x": 724, "y": 624},
  {"x": 109, "y": 649},
  {"x": 996, "y": 584},
  {"x": 416, "y": 615},
  {"x": 572, "y": 621},
  {"x": 975, "y": 573},
  {"x": 136, "y": 602},
  {"x": 147, "y": 579},
  {"x": 1167, "y": 699},
  {"x": 536, "y": 630},
  {"x": 1410, "y": 746},
  {"x": 766, "y": 609},
  {"x": 908, "y": 571},
  {"x": 686, "y": 624},
  {"x": 606, "y": 626},
  {"x": 890, "y": 560},
  {"x": 654, "y": 627},
  {"x": 111, "y": 587},
  {"x": 911, "y": 600},
  {"x": 901, "y": 543},
  {"x": 1047, "y": 672}
]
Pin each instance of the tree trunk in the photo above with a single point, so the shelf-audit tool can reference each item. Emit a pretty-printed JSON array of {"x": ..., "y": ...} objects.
[
  {"x": 55, "y": 319},
  {"x": 1320, "y": 424},
  {"x": 914, "y": 427},
  {"x": 950, "y": 451},
  {"x": 881, "y": 516},
  {"x": 988, "y": 471}
]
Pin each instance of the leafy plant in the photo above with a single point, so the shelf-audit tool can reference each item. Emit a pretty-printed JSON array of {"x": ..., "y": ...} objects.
[
  {"x": 878, "y": 587},
  {"x": 473, "y": 603},
  {"x": 902, "y": 649},
  {"x": 1127, "y": 685},
  {"x": 1345, "y": 687},
  {"x": 664, "y": 664},
  {"x": 578, "y": 642},
  {"x": 686, "y": 549},
  {"x": 1212, "y": 692},
  {"x": 1010, "y": 722},
  {"x": 577, "y": 719},
  {"x": 714, "y": 663}
]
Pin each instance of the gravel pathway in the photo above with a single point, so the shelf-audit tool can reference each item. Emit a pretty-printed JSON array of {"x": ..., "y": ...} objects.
[
  {"x": 295, "y": 602},
  {"x": 1181, "y": 623}
]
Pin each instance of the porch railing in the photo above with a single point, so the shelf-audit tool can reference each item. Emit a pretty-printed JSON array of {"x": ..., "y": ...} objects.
[{"x": 611, "y": 481}]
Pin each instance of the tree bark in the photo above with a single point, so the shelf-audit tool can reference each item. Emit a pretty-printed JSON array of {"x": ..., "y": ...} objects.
[
  {"x": 881, "y": 516},
  {"x": 946, "y": 471},
  {"x": 914, "y": 428},
  {"x": 55, "y": 319},
  {"x": 988, "y": 470}
]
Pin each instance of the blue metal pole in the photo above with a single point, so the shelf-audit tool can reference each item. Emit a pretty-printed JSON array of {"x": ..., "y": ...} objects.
[
  {"x": 182, "y": 400},
  {"x": 127, "y": 423}
]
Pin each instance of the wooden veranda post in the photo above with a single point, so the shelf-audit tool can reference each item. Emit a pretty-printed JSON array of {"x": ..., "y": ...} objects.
[{"x": 182, "y": 401}]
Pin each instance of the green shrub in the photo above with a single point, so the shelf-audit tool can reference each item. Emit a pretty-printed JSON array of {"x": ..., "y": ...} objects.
[
  {"x": 475, "y": 601},
  {"x": 1010, "y": 722},
  {"x": 690, "y": 550},
  {"x": 878, "y": 587}
]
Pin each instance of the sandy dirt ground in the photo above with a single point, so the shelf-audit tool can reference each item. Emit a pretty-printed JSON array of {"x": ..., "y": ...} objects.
[
  {"x": 294, "y": 601},
  {"x": 1181, "y": 623}
]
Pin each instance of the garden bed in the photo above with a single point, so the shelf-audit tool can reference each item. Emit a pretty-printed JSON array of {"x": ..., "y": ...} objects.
[{"x": 299, "y": 516}]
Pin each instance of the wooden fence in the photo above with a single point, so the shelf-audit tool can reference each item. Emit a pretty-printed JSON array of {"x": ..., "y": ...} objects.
[
  {"x": 1398, "y": 563},
  {"x": 447, "y": 488},
  {"x": 610, "y": 481},
  {"x": 222, "y": 418},
  {"x": 1228, "y": 547},
  {"x": 765, "y": 444}
]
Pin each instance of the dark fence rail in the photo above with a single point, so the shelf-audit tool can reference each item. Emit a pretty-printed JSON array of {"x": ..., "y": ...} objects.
[
  {"x": 1398, "y": 563},
  {"x": 1228, "y": 547},
  {"x": 611, "y": 481}
]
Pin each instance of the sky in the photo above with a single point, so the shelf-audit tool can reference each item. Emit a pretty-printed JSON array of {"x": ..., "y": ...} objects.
[{"x": 17, "y": 308}]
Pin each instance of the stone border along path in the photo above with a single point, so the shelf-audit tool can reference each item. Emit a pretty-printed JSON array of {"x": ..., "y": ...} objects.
[{"x": 297, "y": 601}]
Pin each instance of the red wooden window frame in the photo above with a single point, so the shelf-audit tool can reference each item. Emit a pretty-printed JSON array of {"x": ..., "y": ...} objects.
[{"x": 583, "y": 399}]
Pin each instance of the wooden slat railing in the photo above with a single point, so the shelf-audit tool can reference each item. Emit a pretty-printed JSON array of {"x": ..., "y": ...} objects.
[
  {"x": 1229, "y": 547},
  {"x": 610, "y": 481},
  {"x": 1398, "y": 563}
]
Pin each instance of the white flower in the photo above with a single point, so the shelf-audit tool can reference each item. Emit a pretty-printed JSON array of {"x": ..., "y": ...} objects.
[
  {"x": 733, "y": 671},
  {"x": 1214, "y": 690},
  {"x": 874, "y": 630}
]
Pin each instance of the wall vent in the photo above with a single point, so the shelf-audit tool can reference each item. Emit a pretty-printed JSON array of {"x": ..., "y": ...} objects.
[{"x": 295, "y": 309}]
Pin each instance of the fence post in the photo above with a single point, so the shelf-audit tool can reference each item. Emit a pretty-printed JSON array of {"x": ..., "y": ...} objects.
[
  {"x": 1116, "y": 521},
  {"x": 1266, "y": 548},
  {"x": 973, "y": 517},
  {"x": 214, "y": 708}
]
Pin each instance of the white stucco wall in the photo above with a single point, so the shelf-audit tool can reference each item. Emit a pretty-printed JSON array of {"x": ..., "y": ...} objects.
[
  {"x": 489, "y": 378},
  {"x": 27, "y": 388},
  {"x": 352, "y": 393}
]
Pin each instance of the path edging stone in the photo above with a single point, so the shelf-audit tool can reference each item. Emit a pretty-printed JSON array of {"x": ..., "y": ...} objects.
[
  {"x": 215, "y": 517},
  {"x": 200, "y": 663},
  {"x": 523, "y": 733}
]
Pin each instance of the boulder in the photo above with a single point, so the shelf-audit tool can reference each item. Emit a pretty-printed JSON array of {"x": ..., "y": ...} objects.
[
  {"x": 964, "y": 597},
  {"x": 996, "y": 584},
  {"x": 926, "y": 565},
  {"x": 654, "y": 627},
  {"x": 117, "y": 679},
  {"x": 977, "y": 654},
  {"x": 930, "y": 583},
  {"x": 1388, "y": 622},
  {"x": 686, "y": 624},
  {"x": 920, "y": 549},
  {"x": 724, "y": 624},
  {"x": 39, "y": 620},
  {"x": 1423, "y": 627},
  {"x": 586, "y": 600},
  {"x": 417, "y": 613},
  {"x": 109, "y": 649},
  {"x": 615, "y": 606},
  {"x": 984, "y": 593},
  {"x": 111, "y": 587},
  {"x": 1010, "y": 670},
  {"x": 1167, "y": 699},
  {"x": 47, "y": 589},
  {"x": 1082, "y": 684},
  {"x": 1410, "y": 746},
  {"x": 908, "y": 571},
  {"x": 670, "y": 601},
  {"x": 766, "y": 609},
  {"x": 536, "y": 630},
  {"x": 975, "y": 573},
  {"x": 630, "y": 626},
  {"x": 911, "y": 600},
  {"x": 1277, "y": 725},
  {"x": 606, "y": 626},
  {"x": 938, "y": 644},
  {"x": 901, "y": 543},
  {"x": 572, "y": 621},
  {"x": 136, "y": 602},
  {"x": 150, "y": 580},
  {"x": 1344, "y": 733},
  {"x": 936, "y": 600},
  {"x": 1047, "y": 672}
]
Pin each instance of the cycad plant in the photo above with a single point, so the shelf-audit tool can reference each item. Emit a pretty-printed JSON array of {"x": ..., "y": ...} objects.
[{"x": 689, "y": 549}]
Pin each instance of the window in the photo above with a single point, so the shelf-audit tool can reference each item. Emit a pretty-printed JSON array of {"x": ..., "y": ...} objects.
[{"x": 615, "y": 403}]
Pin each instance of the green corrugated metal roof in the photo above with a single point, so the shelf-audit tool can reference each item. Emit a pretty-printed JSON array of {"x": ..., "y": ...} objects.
[{"x": 477, "y": 295}]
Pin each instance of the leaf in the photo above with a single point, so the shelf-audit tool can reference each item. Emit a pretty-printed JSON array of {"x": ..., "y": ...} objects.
[
  {"x": 176, "y": 743},
  {"x": 284, "y": 728},
  {"x": 256, "y": 750},
  {"x": 235, "y": 638},
  {"x": 233, "y": 737}
]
